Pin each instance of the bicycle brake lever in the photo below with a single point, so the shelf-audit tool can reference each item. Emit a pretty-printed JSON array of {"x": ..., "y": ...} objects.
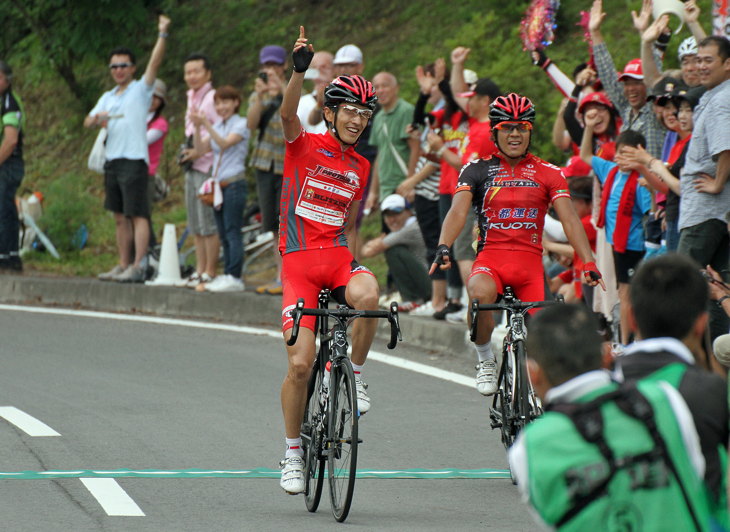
[{"x": 296, "y": 315}]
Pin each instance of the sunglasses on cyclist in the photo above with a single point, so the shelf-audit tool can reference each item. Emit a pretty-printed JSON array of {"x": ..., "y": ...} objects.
[
  {"x": 512, "y": 126},
  {"x": 115, "y": 66},
  {"x": 350, "y": 111}
]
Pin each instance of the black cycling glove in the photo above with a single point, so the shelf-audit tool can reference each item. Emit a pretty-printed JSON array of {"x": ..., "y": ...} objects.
[
  {"x": 541, "y": 60},
  {"x": 442, "y": 253},
  {"x": 302, "y": 58}
]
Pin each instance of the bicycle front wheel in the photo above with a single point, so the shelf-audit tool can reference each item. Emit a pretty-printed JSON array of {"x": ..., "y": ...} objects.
[
  {"x": 312, "y": 442},
  {"x": 342, "y": 438}
]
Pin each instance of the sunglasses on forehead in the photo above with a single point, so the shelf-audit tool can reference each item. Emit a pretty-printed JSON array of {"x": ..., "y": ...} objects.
[
  {"x": 511, "y": 126},
  {"x": 115, "y": 66}
]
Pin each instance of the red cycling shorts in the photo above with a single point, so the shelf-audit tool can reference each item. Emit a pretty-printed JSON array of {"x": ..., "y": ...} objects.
[
  {"x": 306, "y": 273},
  {"x": 522, "y": 270}
]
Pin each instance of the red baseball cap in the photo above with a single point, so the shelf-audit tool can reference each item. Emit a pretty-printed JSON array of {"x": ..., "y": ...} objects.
[
  {"x": 595, "y": 97},
  {"x": 576, "y": 167},
  {"x": 632, "y": 70}
]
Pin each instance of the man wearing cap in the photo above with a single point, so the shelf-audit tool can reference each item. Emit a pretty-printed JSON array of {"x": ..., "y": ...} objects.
[
  {"x": 627, "y": 90},
  {"x": 123, "y": 112},
  {"x": 267, "y": 158},
  {"x": 405, "y": 252},
  {"x": 310, "y": 104},
  {"x": 397, "y": 150},
  {"x": 705, "y": 194},
  {"x": 11, "y": 169}
]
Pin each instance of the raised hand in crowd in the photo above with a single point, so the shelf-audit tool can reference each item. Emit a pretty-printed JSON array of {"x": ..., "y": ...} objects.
[
  {"x": 586, "y": 77},
  {"x": 692, "y": 19},
  {"x": 539, "y": 58},
  {"x": 459, "y": 55},
  {"x": 655, "y": 29},
  {"x": 642, "y": 20},
  {"x": 439, "y": 70},
  {"x": 426, "y": 81}
]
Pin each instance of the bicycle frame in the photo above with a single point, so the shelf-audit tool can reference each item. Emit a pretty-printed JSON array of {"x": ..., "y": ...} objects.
[{"x": 330, "y": 424}]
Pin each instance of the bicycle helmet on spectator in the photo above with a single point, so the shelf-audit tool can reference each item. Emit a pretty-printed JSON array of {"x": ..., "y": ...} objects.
[
  {"x": 511, "y": 108},
  {"x": 348, "y": 89},
  {"x": 687, "y": 47}
]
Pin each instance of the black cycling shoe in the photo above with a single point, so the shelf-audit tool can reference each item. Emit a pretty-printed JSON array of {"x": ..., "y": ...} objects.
[{"x": 448, "y": 309}]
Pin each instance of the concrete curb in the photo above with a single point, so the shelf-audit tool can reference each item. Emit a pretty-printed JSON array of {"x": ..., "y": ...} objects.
[{"x": 242, "y": 308}]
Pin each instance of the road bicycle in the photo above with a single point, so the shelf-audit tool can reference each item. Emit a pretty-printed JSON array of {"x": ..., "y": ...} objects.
[
  {"x": 330, "y": 426},
  {"x": 514, "y": 404}
]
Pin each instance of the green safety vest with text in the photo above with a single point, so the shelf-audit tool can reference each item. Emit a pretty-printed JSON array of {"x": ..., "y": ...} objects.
[{"x": 628, "y": 478}]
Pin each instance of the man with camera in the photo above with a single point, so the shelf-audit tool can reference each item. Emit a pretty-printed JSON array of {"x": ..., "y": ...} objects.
[
  {"x": 201, "y": 221},
  {"x": 267, "y": 158}
]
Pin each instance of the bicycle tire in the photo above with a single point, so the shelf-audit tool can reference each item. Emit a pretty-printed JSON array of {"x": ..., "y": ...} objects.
[
  {"x": 342, "y": 438},
  {"x": 312, "y": 442},
  {"x": 522, "y": 388},
  {"x": 508, "y": 393}
]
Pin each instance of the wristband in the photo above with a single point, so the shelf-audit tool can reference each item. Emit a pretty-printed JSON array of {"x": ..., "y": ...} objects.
[
  {"x": 163, "y": 35},
  {"x": 723, "y": 298}
]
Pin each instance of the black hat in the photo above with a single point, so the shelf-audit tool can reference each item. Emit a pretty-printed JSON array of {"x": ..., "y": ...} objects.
[
  {"x": 691, "y": 96},
  {"x": 483, "y": 87},
  {"x": 663, "y": 89}
]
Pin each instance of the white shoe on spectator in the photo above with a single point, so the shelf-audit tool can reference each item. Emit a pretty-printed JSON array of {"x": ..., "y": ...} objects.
[
  {"x": 423, "y": 310},
  {"x": 385, "y": 299},
  {"x": 292, "y": 475},
  {"x": 111, "y": 274},
  {"x": 457, "y": 317},
  {"x": 225, "y": 283},
  {"x": 133, "y": 274}
]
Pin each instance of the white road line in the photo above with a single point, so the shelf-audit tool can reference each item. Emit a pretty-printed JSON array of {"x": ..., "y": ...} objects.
[
  {"x": 391, "y": 360},
  {"x": 25, "y": 422},
  {"x": 112, "y": 497}
]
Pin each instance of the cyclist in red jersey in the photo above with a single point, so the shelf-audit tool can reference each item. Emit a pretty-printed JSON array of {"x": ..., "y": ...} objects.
[
  {"x": 510, "y": 193},
  {"x": 323, "y": 184}
]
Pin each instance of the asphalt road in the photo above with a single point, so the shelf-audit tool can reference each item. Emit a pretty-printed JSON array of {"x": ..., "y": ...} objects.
[{"x": 165, "y": 399}]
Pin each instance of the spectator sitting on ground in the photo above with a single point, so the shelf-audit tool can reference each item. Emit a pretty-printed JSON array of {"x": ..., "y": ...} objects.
[
  {"x": 123, "y": 111},
  {"x": 668, "y": 314},
  {"x": 200, "y": 218},
  {"x": 404, "y": 252},
  {"x": 624, "y": 202},
  {"x": 587, "y": 462}
]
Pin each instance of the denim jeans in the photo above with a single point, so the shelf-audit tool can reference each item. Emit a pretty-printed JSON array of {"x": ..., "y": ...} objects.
[
  {"x": 229, "y": 220},
  {"x": 11, "y": 174}
]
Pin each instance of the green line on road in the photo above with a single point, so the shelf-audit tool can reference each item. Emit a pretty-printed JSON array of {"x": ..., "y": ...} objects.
[{"x": 251, "y": 473}]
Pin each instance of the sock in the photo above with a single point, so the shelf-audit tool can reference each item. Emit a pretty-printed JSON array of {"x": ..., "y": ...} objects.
[
  {"x": 357, "y": 368},
  {"x": 484, "y": 352},
  {"x": 294, "y": 447}
]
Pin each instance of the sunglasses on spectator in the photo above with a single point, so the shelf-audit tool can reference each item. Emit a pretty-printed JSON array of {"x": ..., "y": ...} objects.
[
  {"x": 350, "y": 112},
  {"x": 115, "y": 66},
  {"x": 512, "y": 126}
]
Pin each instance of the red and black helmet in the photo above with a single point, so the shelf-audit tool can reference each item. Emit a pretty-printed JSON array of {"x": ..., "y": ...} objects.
[
  {"x": 511, "y": 108},
  {"x": 350, "y": 89}
]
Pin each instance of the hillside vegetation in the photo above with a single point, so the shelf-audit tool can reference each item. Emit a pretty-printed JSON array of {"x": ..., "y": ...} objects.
[{"x": 394, "y": 36}]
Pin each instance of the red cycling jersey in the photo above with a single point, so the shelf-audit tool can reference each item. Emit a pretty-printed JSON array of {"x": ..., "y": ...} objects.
[
  {"x": 511, "y": 203},
  {"x": 320, "y": 183},
  {"x": 453, "y": 132}
]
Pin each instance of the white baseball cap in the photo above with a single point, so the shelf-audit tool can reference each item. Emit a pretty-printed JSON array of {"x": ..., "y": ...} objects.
[
  {"x": 348, "y": 54},
  {"x": 393, "y": 203}
]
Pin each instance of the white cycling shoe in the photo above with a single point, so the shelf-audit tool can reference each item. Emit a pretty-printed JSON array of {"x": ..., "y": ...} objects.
[
  {"x": 487, "y": 377},
  {"x": 292, "y": 475}
]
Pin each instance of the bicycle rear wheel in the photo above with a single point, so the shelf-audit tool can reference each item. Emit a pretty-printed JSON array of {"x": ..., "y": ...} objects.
[
  {"x": 312, "y": 442},
  {"x": 341, "y": 444}
]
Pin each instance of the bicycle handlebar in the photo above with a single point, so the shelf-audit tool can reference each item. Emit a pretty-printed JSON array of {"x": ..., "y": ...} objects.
[
  {"x": 510, "y": 304},
  {"x": 342, "y": 313}
]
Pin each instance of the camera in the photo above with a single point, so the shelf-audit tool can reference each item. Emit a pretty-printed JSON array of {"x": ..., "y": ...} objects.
[
  {"x": 264, "y": 76},
  {"x": 185, "y": 165}
]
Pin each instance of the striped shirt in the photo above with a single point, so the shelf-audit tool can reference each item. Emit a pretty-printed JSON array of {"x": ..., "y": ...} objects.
[
  {"x": 268, "y": 155},
  {"x": 429, "y": 187},
  {"x": 644, "y": 121}
]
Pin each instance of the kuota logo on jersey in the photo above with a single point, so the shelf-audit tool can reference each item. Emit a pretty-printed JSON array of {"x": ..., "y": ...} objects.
[{"x": 511, "y": 225}]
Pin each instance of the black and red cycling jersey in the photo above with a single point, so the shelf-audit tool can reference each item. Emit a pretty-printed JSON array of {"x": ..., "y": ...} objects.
[{"x": 510, "y": 203}]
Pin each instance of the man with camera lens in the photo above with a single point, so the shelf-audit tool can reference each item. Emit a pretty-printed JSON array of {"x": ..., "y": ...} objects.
[
  {"x": 201, "y": 221},
  {"x": 267, "y": 158}
]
